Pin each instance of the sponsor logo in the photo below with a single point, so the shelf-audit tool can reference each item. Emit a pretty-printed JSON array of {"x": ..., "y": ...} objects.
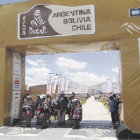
[
  {"x": 16, "y": 83},
  {"x": 134, "y": 12}
]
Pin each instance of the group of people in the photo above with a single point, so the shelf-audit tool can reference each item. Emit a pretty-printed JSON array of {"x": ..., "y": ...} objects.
[
  {"x": 64, "y": 104},
  {"x": 67, "y": 105},
  {"x": 114, "y": 108},
  {"x": 56, "y": 106},
  {"x": 42, "y": 105}
]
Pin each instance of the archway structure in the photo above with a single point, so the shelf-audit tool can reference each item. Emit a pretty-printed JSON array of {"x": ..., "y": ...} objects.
[{"x": 100, "y": 27}]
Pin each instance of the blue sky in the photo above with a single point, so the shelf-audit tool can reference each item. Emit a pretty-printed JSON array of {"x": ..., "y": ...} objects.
[
  {"x": 86, "y": 68},
  {"x": 10, "y": 1},
  {"x": 98, "y": 62},
  {"x": 89, "y": 68}
]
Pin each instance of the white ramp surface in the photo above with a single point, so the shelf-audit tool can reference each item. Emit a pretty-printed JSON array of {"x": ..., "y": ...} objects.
[{"x": 95, "y": 110}]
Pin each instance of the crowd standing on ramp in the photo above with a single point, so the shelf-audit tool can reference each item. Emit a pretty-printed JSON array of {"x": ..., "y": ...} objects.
[{"x": 47, "y": 106}]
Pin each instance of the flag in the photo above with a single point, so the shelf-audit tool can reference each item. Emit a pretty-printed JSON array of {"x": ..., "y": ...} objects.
[
  {"x": 49, "y": 83},
  {"x": 54, "y": 83},
  {"x": 60, "y": 84}
]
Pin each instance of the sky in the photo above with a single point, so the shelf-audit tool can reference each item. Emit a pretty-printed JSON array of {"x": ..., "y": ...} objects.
[
  {"x": 88, "y": 68},
  {"x": 10, "y": 1}
]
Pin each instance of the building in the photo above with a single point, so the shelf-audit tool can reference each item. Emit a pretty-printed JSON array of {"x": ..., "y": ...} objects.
[{"x": 37, "y": 90}]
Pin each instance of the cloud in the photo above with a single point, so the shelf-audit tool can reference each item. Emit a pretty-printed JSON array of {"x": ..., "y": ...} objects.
[
  {"x": 32, "y": 81},
  {"x": 36, "y": 75},
  {"x": 105, "y": 51},
  {"x": 34, "y": 71},
  {"x": 116, "y": 70},
  {"x": 86, "y": 78},
  {"x": 38, "y": 72},
  {"x": 33, "y": 63},
  {"x": 37, "y": 63},
  {"x": 70, "y": 63}
]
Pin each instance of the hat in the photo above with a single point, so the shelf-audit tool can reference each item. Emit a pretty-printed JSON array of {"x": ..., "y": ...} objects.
[
  {"x": 29, "y": 96},
  {"x": 42, "y": 96}
]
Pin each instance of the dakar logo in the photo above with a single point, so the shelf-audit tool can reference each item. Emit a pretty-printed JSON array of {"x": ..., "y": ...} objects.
[{"x": 37, "y": 24}]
